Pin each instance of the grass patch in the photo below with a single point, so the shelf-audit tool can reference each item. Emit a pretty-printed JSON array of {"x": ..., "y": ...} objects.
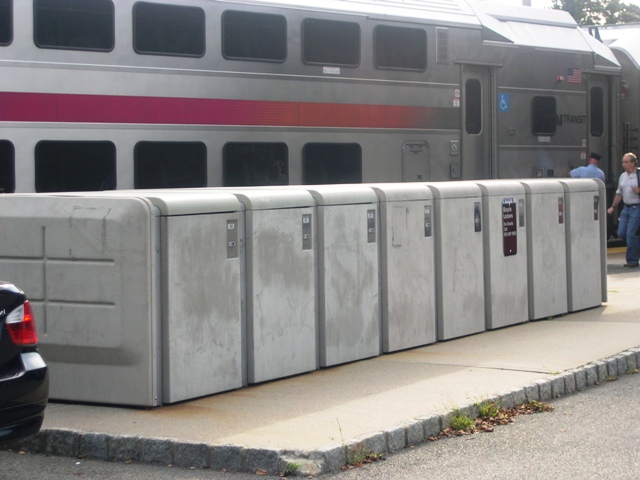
[
  {"x": 460, "y": 422},
  {"x": 487, "y": 409},
  {"x": 360, "y": 456},
  {"x": 291, "y": 469},
  {"x": 490, "y": 416}
]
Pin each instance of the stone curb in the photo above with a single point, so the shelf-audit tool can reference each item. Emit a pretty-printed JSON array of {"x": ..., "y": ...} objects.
[{"x": 235, "y": 458}]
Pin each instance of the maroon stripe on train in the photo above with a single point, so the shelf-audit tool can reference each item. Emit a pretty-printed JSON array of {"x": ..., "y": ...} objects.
[{"x": 70, "y": 108}]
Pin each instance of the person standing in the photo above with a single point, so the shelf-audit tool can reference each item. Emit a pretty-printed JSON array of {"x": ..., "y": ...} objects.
[
  {"x": 629, "y": 221},
  {"x": 591, "y": 170}
]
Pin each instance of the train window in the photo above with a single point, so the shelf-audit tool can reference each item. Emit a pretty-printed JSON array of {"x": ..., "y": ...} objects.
[
  {"x": 254, "y": 36},
  {"x": 255, "y": 164},
  {"x": 473, "y": 106},
  {"x": 170, "y": 165},
  {"x": 69, "y": 166},
  {"x": 6, "y": 22},
  {"x": 329, "y": 42},
  {"x": 7, "y": 167},
  {"x": 597, "y": 112},
  {"x": 74, "y": 24},
  {"x": 160, "y": 29},
  {"x": 324, "y": 163},
  {"x": 400, "y": 48},
  {"x": 544, "y": 116}
]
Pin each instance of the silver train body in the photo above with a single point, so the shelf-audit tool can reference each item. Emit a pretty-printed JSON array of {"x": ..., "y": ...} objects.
[
  {"x": 624, "y": 42},
  {"x": 196, "y": 93}
]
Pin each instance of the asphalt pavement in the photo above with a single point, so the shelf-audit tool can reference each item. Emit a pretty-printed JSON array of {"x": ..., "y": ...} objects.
[
  {"x": 384, "y": 404},
  {"x": 589, "y": 435}
]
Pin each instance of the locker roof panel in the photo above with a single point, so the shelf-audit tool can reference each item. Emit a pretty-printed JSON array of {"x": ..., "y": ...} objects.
[
  {"x": 273, "y": 199},
  {"x": 183, "y": 203},
  {"x": 500, "y": 188},
  {"x": 172, "y": 202},
  {"x": 342, "y": 194},
  {"x": 452, "y": 190},
  {"x": 581, "y": 184},
  {"x": 542, "y": 187},
  {"x": 401, "y": 192}
]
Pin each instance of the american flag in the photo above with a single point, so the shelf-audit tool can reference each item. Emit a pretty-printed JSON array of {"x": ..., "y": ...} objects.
[{"x": 574, "y": 75}]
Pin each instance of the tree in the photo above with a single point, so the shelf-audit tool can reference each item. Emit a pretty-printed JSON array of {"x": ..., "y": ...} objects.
[
  {"x": 629, "y": 14},
  {"x": 598, "y": 12}
]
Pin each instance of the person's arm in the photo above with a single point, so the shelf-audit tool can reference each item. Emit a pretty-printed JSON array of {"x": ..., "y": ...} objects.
[{"x": 616, "y": 201}]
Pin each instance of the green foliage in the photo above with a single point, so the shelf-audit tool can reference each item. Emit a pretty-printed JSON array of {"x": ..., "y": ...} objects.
[
  {"x": 599, "y": 12},
  {"x": 460, "y": 421},
  {"x": 291, "y": 469},
  {"x": 534, "y": 406},
  {"x": 359, "y": 456},
  {"x": 487, "y": 409}
]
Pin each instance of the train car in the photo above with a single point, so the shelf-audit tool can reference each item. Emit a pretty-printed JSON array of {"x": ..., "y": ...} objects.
[
  {"x": 105, "y": 94},
  {"x": 624, "y": 42},
  {"x": 556, "y": 94}
]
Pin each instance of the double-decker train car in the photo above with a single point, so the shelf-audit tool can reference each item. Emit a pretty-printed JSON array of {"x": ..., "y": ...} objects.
[
  {"x": 624, "y": 42},
  {"x": 105, "y": 94}
]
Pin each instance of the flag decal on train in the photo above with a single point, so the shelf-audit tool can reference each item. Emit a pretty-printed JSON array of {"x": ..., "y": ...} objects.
[{"x": 574, "y": 75}]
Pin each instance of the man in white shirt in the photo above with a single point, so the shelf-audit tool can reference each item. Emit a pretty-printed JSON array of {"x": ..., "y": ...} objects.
[
  {"x": 629, "y": 192},
  {"x": 591, "y": 170}
]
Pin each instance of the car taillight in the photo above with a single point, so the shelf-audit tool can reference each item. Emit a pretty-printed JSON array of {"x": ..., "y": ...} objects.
[{"x": 21, "y": 325}]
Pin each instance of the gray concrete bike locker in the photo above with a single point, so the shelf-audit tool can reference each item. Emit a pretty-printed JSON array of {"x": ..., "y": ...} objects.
[
  {"x": 348, "y": 273},
  {"x": 546, "y": 254},
  {"x": 88, "y": 266},
  {"x": 459, "y": 259},
  {"x": 203, "y": 328},
  {"x": 586, "y": 243},
  {"x": 505, "y": 253},
  {"x": 153, "y": 284},
  {"x": 280, "y": 282},
  {"x": 407, "y": 265}
]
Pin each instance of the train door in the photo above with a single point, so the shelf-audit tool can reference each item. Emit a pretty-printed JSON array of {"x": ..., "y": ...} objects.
[
  {"x": 476, "y": 132},
  {"x": 602, "y": 133},
  {"x": 599, "y": 130},
  {"x": 415, "y": 162}
]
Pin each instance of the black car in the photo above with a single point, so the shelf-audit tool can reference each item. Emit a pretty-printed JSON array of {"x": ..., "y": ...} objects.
[{"x": 24, "y": 379}]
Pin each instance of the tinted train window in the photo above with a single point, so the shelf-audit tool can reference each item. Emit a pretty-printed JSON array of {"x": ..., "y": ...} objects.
[
  {"x": 254, "y": 36},
  {"x": 160, "y": 29},
  {"x": 7, "y": 167},
  {"x": 544, "y": 116},
  {"x": 6, "y": 22},
  {"x": 400, "y": 48},
  {"x": 255, "y": 164},
  {"x": 74, "y": 24},
  {"x": 170, "y": 165},
  {"x": 329, "y": 42},
  {"x": 324, "y": 163},
  {"x": 473, "y": 106},
  {"x": 75, "y": 166},
  {"x": 597, "y": 112}
]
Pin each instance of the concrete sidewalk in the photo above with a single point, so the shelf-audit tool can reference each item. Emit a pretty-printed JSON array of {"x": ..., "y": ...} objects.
[{"x": 382, "y": 404}]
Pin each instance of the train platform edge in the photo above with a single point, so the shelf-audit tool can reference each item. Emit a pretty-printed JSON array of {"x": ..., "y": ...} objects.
[{"x": 379, "y": 405}]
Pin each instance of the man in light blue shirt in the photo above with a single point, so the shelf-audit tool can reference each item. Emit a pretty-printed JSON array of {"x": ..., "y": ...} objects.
[{"x": 591, "y": 170}]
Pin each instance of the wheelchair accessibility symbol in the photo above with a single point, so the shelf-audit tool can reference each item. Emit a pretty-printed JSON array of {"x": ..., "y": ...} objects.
[{"x": 503, "y": 102}]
